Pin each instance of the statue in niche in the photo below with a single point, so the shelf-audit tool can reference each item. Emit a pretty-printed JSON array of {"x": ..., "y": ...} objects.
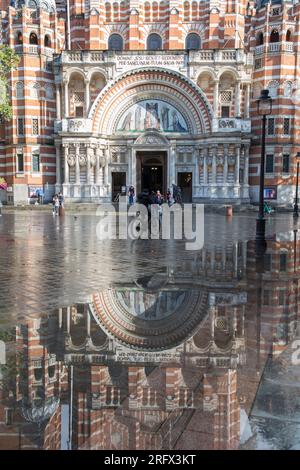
[
  {"x": 152, "y": 120},
  {"x": 177, "y": 127},
  {"x": 127, "y": 122},
  {"x": 165, "y": 118},
  {"x": 137, "y": 117}
]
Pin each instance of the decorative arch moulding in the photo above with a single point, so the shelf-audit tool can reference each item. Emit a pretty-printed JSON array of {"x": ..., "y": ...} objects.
[{"x": 157, "y": 84}]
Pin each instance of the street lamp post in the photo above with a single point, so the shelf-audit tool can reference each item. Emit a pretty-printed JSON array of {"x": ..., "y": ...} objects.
[
  {"x": 296, "y": 212},
  {"x": 264, "y": 108}
]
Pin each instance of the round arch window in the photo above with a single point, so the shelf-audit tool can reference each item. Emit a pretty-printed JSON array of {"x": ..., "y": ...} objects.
[
  {"x": 115, "y": 42},
  {"x": 193, "y": 41},
  {"x": 154, "y": 42}
]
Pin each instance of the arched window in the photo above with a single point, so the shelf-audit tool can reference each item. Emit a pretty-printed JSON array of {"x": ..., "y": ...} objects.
[
  {"x": 193, "y": 41},
  {"x": 47, "y": 41},
  {"x": 116, "y": 11},
  {"x": 287, "y": 89},
  {"x": 35, "y": 91},
  {"x": 154, "y": 42},
  {"x": 108, "y": 11},
  {"x": 273, "y": 88},
  {"x": 33, "y": 39},
  {"x": 155, "y": 11},
  {"x": 260, "y": 39},
  {"x": 186, "y": 9},
  {"x": 274, "y": 37},
  {"x": 147, "y": 10},
  {"x": 115, "y": 42},
  {"x": 288, "y": 36},
  {"x": 19, "y": 38},
  {"x": 19, "y": 89}
]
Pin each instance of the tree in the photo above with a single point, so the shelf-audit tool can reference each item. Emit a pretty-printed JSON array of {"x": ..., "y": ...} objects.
[{"x": 8, "y": 61}]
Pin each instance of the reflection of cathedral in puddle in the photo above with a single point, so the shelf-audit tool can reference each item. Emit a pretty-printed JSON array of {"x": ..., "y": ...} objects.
[{"x": 139, "y": 368}]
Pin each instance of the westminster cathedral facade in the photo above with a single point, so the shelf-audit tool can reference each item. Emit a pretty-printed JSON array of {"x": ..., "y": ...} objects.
[{"x": 109, "y": 94}]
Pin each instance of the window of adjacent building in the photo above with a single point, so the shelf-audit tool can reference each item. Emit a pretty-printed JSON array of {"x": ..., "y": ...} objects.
[
  {"x": 269, "y": 163},
  {"x": 288, "y": 36},
  {"x": 8, "y": 416},
  {"x": 38, "y": 374},
  {"x": 33, "y": 39},
  {"x": 257, "y": 64},
  {"x": 47, "y": 41},
  {"x": 281, "y": 297},
  {"x": 274, "y": 36},
  {"x": 35, "y": 126},
  {"x": 267, "y": 262},
  {"x": 193, "y": 41},
  {"x": 271, "y": 126},
  {"x": 266, "y": 296},
  {"x": 225, "y": 111},
  {"x": 285, "y": 163},
  {"x": 282, "y": 262},
  {"x": 286, "y": 126},
  {"x": 35, "y": 162},
  {"x": 154, "y": 42},
  {"x": 20, "y": 126},
  {"x": 20, "y": 162},
  {"x": 115, "y": 42},
  {"x": 19, "y": 38},
  {"x": 260, "y": 39}
]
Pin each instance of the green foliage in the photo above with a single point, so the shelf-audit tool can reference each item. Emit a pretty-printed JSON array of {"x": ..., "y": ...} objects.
[{"x": 8, "y": 61}]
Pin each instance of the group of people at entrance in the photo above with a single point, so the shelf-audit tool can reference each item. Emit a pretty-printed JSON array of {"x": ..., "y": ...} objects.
[
  {"x": 147, "y": 198},
  {"x": 58, "y": 204}
]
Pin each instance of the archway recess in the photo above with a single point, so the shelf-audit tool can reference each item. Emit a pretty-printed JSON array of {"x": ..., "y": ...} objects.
[{"x": 190, "y": 111}]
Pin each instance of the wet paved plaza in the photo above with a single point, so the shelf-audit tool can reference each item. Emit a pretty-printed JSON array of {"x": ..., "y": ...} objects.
[{"x": 140, "y": 344}]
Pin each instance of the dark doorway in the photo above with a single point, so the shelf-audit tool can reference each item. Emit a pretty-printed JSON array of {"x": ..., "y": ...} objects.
[
  {"x": 185, "y": 182},
  {"x": 118, "y": 183},
  {"x": 151, "y": 171},
  {"x": 152, "y": 177}
]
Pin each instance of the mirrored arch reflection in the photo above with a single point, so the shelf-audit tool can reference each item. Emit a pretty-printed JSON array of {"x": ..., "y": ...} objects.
[{"x": 179, "y": 359}]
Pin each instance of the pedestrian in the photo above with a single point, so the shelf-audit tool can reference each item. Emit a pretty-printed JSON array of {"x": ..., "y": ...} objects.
[
  {"x": 169, "y": 197},
  {"x": 158, "y": 198},
  {"x": 131, "y": 193},
  {"x": 56, "y": 205},
  {"x": 61, "y": 199},
  {"x": 53, "y": 204}
]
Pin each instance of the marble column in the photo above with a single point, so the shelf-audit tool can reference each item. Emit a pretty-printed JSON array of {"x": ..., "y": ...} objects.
[
  {"x": 58, "y": 170},
  {"x": 66, "y": 86},
  {"x": 225, "y": 168},
  {"x": 66, "y": 164},
  {"x": 87, "y": 96},
  {"x": 247, "y": 101},
  {"x": 216, "y": 99},
  {"x": 133, "y": 169},
  {"x": 89, "y": 151},
  {"x": 237, "y": 164},
  {"x": 238, "y": 99},
  {"x": 99, "y": 153},
  {"x": 205, "y": 155},
  {"x": 214, "y": 164},
  {"x": 77, "y": 166},
  {"x": 246, "y": 165},
  {"x": 172, "y": 166},
  {"x": 58, "y": 107},
  {"x": 106, "y": 170}
]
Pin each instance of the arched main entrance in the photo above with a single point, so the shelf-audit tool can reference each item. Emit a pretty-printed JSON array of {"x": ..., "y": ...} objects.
[{"x": 151, "y": 171}]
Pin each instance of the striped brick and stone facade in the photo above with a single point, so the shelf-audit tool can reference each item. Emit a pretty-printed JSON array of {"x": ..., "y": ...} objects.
[{"x": 109, "y": 94}]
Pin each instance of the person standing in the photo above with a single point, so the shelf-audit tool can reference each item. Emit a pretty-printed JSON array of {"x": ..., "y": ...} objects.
[
  {"x": 158, "y": 198},
  {"x": 169, "y": 197},
  {"x": 61, "y": 200},
  {"x": 56, "y": 205},
  {"x": 131, "y": 193}
]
